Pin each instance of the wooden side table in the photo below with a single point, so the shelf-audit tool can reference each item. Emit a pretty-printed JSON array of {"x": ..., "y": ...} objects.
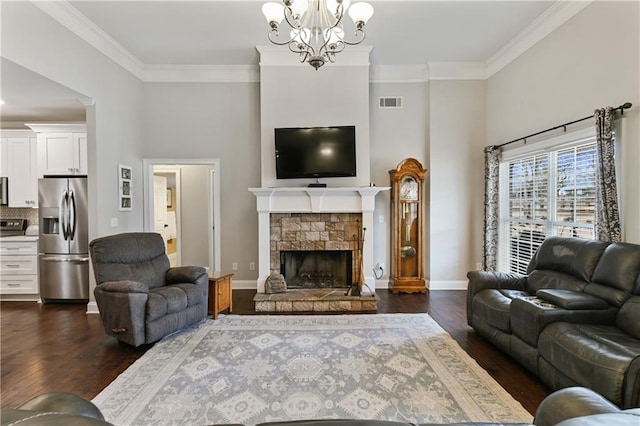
[{"x": 220, "y": 294}]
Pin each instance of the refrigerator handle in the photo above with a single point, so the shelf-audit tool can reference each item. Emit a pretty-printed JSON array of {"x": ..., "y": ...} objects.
[
  {"x": 72, "y": 217},
  {"x": 64, "y": 203}
]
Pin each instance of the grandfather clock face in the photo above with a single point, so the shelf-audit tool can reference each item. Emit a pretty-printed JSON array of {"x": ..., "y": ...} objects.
[{"x": 409, "y": 189}]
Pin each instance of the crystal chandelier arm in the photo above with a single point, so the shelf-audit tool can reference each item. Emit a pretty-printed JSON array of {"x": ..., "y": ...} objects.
[{"x": 359, "y": 33}]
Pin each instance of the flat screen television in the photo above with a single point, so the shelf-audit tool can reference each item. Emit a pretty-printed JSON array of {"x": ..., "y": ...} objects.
[{"x": 315, "y": 152}]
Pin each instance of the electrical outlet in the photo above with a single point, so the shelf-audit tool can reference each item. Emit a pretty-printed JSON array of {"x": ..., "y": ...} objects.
[
  {"x": 381, "y": 219},
  {"x": 252, "y": 266},
  {"x": 380, "y": 266},
  {"x": 234, "y": 266},
  {"x": 114, "y": 222},
  {"x": 479, "y": 266}
]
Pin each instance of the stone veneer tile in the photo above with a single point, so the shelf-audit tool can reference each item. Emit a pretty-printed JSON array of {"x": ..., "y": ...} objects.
[
  {"x": 276, "y": 233},
  {"x": 284, "y": 306},
  {"x": 311, "y": 236},
  {"x": 317, "y": 226},
  {"x": 321, "y": 306},
  {"x": 265, "y": 306},
  {"x": 356, "y": 305},
  {"x": 291, "y": 224},
  {"x": 290, "y": 236},
  {"x": 369, "y": 305},
  {"x": 340, "y": 306},
  {"x": 302, "y": 306}
]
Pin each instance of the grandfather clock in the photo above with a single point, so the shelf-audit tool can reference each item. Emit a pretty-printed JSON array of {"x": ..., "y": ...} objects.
[{"x": 407, "y": 227}]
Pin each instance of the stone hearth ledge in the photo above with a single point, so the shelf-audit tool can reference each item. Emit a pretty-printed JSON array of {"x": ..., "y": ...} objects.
[{"x": 315, "y": 300}]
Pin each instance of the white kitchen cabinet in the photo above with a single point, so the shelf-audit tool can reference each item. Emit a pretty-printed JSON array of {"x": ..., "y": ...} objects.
[
  {"x": 62, "y": 148},
  {"x": 21, "y": 171},
  {"x": 4, "y": 145},
  {"x": 18, "y": 267},
  {"x": 62, "y": 154}
]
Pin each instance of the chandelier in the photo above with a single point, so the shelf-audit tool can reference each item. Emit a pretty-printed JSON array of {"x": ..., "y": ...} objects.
[{"x": 317, "y": 32}]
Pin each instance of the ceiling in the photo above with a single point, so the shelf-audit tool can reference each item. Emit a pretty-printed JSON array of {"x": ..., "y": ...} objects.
[{"x": 226, "y": 33}]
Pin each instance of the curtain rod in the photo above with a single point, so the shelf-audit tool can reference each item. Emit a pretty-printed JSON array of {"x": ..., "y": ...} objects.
[{"x": 622, "y": 107}]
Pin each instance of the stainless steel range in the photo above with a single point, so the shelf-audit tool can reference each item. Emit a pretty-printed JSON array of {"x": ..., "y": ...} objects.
[{"x": 12, "y": 227}]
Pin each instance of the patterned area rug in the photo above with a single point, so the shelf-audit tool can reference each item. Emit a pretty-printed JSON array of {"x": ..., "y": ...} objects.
[{"x": 251, "y": 369}]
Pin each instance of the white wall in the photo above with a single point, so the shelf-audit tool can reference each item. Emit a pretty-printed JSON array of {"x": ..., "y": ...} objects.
[
  {"x": 396, "y": 134},
  {"x": 213, "y": 120},
  {"x": 194, "y": 191},
  {"x": 590, "y": 62},
  {"x": 295, "y": 95},
  {"x": 457, "y": 114}
]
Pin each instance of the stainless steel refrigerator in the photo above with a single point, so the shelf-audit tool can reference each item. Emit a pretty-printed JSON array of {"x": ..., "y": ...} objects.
[{"x": 64, "y": 239}]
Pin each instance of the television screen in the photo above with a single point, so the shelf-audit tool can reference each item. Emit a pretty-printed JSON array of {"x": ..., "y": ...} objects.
[{"x": 315, "y": 152}]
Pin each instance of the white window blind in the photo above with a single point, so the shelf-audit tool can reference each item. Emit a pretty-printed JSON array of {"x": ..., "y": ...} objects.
[{"x": 542, "y": 194}]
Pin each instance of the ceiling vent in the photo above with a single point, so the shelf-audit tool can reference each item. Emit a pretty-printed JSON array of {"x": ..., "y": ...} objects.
[{"x": 390, "y": 102}]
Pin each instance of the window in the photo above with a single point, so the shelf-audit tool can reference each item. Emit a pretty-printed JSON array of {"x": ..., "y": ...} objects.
[{"x": 543, "y": 193}]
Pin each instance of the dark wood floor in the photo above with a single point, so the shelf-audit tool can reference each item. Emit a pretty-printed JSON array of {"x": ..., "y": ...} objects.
[{"x": 57, "y": 347}]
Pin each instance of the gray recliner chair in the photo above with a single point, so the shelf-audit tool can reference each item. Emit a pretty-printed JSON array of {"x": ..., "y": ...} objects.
[{"x": 140, "y": 297}]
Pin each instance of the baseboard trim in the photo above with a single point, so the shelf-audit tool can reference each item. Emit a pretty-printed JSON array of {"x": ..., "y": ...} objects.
[
  {"x": 92, "y": 308},
  {"x": 447, "y": 285},
  {"x": 244, "y": 284}
]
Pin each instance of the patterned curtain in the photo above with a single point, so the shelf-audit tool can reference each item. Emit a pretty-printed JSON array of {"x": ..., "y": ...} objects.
[
  {"x": 492, "y": 157},
  {"x": 607, "y": 215}
]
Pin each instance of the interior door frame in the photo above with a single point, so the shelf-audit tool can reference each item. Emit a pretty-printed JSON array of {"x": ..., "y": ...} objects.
[
  {"x": 148, "y": 165},
  {"x": 177, "y": 173}
]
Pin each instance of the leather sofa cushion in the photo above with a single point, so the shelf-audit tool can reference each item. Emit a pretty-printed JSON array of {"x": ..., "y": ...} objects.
[
  {"x": 541, "y": 279},
  {"x": 571, "y": 299},
  {"x": 595, "y": 356},
  {"x": 492, "y": 306},
  {"x": 574, "y": 256},
  {"x": 172, "y": 298},
  {"x": 619, "y": 267},
  {"x": 628, "y": 318}
]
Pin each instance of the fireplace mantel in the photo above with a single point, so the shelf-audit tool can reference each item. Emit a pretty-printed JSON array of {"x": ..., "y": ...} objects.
[
  {"x": 317, "y": 200},
  {"x": 314, "y": 200}
]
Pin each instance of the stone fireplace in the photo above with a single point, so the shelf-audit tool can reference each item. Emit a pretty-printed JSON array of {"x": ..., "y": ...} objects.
[
  {"x": 323, "y": 219},
  {"x": 315, "y": 250}
]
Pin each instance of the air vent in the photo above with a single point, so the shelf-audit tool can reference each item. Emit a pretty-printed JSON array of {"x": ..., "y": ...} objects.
[{"x": 390, "y": 102}]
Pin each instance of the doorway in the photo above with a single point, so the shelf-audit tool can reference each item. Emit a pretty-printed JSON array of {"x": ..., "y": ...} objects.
[{"x": 182, "y": 203}]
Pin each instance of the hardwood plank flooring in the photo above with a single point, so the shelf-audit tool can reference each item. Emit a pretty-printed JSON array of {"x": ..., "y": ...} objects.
[{"x": 57, "y": 347}]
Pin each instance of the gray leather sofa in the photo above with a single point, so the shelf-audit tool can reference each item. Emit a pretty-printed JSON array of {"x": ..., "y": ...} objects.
[
  {"x": 140, "y": 297},
  {"x": 573, "y": 320},
  {"x": 54, "y": 409}
]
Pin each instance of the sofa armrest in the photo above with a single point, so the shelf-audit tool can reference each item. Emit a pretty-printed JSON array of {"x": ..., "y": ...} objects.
[
  {"x": 529, "y": 317},
  {"x": 571, "y": 402},
  {"x": 571, "y": 300},
  {"x": 483, "y": 280},
  {"x": 124, "y": 287},
  {"x": 185, "y": 274}
]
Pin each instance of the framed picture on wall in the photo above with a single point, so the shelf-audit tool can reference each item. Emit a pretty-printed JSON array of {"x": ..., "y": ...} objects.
[{"x": 124, "y": 188}]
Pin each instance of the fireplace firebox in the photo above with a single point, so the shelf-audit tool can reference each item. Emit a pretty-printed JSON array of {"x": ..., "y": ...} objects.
[{"x": 316, "y": 268}]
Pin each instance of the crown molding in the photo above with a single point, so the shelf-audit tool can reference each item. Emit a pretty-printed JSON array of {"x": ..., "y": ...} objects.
[
  {"x": 70, "y": 18},
  {"x": 201, "y": 74},
  {"x": 553, "y": 18},
  {"x": 398, "y": 74},
  {"x": 457, "y": 70}
]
